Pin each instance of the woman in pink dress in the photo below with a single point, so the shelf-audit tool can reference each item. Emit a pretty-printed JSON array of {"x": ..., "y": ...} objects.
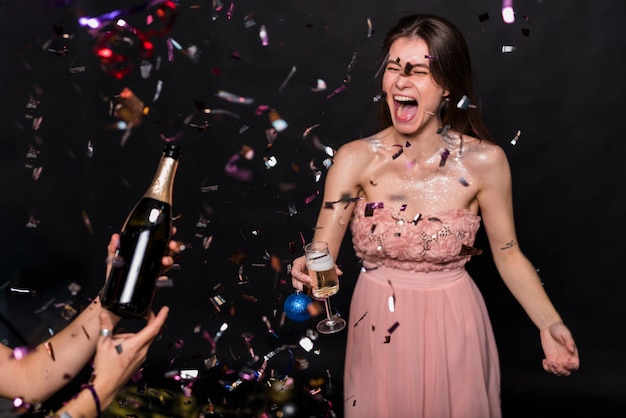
[{"x": 420, "y": 342}]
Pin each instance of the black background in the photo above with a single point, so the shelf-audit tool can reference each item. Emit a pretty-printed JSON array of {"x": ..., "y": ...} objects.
[{"x": 562, "y": 88}]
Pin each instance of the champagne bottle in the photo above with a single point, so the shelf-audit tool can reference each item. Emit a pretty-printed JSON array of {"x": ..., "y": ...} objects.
[{"x": 131, "y": 284}]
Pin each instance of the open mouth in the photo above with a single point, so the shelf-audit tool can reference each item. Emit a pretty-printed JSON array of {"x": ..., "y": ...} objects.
[{"x": 405, "y": 108}]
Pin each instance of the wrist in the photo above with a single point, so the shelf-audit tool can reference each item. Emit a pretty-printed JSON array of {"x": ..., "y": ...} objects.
[
  {"x": 86, "y": 403},
  {"x": 96, "y": 399},
  {"x": 106, "y": 394},
  {"x": 550, "y": 325}
]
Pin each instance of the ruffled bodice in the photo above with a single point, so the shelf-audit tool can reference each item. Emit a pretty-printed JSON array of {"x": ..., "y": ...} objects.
[{"x": 430, "y": 242}]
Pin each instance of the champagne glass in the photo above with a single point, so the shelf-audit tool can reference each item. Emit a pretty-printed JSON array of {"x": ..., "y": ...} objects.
[{"x": 321, "y": 267}]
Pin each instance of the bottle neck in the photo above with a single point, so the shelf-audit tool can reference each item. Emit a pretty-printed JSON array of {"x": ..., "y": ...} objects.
[{"x": 163, "y": 183}]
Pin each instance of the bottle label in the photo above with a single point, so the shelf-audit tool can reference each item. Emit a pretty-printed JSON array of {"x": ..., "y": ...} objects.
[{"x": 135, "y": 267}]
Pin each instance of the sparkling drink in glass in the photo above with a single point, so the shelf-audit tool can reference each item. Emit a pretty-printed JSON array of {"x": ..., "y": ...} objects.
[{"x": 321, "y": 268}]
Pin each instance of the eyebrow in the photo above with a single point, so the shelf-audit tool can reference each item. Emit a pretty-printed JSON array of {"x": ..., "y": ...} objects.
[
  {"x": 419, "y": 64},
  {"x": 408, "y": 67}
]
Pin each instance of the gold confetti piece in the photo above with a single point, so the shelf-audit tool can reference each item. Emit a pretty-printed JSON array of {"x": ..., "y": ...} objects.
[
  {"x": 86, "y": 333},
  {"x": 50, "y": 350}
]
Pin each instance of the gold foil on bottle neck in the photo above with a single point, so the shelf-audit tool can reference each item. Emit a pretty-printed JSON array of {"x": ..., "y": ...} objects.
[{"x": 163, "y": 182}]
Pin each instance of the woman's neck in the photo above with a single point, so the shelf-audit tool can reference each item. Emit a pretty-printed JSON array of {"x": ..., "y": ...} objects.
[{"x": 420, "y": 144}]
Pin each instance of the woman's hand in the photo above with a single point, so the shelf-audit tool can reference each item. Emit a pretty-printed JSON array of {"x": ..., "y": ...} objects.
[
  {"x": 300, "y": 275},
  {"x": 119, "y": 356},
  {"x": 560, "y": 350}
]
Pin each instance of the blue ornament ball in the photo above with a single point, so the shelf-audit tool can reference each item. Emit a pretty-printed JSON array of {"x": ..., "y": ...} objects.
[{"x": 296, "y": 307}]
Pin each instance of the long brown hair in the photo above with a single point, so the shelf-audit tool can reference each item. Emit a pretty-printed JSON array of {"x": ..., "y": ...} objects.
[{"x": 450, "y": 66}]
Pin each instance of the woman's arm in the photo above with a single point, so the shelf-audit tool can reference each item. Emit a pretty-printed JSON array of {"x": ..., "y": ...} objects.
[
  {"x": 519, "y": 275},
  {"x": 342, "y": 186}
]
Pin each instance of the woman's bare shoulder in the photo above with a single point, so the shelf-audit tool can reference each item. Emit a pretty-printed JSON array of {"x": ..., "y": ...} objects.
[
  {"x": 480, "y": 152},
  {"x": 365, "y": 147},
  {"x": 356, "y": 149}
]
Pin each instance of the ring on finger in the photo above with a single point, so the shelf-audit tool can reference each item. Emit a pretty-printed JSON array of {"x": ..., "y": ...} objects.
[{"x": 104, "y": 332}]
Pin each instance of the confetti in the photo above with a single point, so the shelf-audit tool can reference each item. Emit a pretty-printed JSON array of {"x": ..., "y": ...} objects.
[
  {"x": 68, "y": 312},
  {"x": 320, "y": 86},
  {"x": 444, "y": 157},
  {"x": 308, "y": 130},
  {"x": 58, "y": 44},
  {"x": 50, "y": 350},
  {"x": 236, "y": 172},
  {"x": 352, "y": 62},
  {"x": 145, "y": 68},
  {"x": 277, "y": 121},
  {"x": 311, "y": 198},
  {"x": 20, "y": 352},
  {"x": 392, "y": 298},
  {"x": 370, "y": 206},
  {"x": 37, "y": 123},
  {"x": 217, "y": 302},
  {"x": 263, "y": 35},
  {"x": 269, "y": 326},
  {"x": 37, "y": 172},
  {"x": 157, "y": 92},
  {"x": 249, "y": 297},
  {"x": 270, "y": 162},
  {"x": 393, "y": 327},
  {"x": 249, "y": 21},
  {"x": 233, "y": 98},
  {"x": 399, "y": 152},
  {"x": 465, "y": 103},
  {"x": 130, "y": 109},
  {"x": 194, "y": 53},
  {"x": 32, "y": 222},
  {"x": 32, "y": 153},
  {"x": 360, "y": 319},
  {"x": 44, "y": 306},
  {"x": 516, "y": 137},
  {"x": 289, "y": 76},
  {"x": 508, "y": 14},
  {"x": 231, "y": 11},
  {"x": 336, "y": 91},
  {"x": 327, "y": 150},
  {"x": 292, "y": 209},
  {"x": 74, "y": 288}
]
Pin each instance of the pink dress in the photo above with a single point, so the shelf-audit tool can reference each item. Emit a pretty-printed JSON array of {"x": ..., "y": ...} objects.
[{"x": 420, "y": 342}]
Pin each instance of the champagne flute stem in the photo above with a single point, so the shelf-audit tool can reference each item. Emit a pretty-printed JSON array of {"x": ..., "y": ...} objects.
[{"x": 329, "y": 315}]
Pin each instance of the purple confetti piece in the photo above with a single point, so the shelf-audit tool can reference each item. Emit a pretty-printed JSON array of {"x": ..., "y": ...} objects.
[{"x": 444, "y": 156}]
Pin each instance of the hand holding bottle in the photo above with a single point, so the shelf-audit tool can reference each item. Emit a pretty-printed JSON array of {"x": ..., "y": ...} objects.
[{"x": 173, "y": 249}]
